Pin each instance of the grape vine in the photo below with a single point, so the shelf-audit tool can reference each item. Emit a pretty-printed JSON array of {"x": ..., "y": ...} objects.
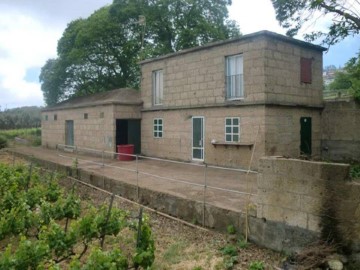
[{"x": 49, "y": 228}]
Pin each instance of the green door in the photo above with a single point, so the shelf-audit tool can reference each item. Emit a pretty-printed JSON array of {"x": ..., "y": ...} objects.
[
  {"x": 69, "y": 132},
  {"x": 198, "y": 138},
  {"x": 305, "y": 136}
]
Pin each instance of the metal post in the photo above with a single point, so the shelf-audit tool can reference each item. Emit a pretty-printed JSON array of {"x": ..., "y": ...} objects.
[
  {"x": 138, "y": 238},
  {"x": 137, "y": 177},
  {"x": 204, "y": 198},
  {"x": 102, "y": 158},
  {"x": 107, "y": 220}
]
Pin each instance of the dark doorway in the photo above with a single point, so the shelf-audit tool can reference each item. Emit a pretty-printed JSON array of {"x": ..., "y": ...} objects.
[
  {"x": 305, "y": 135},
  {"x": 128, "y": 131}
]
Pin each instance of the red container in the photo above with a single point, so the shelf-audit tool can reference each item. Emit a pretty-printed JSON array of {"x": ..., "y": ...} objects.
[{"x": 127, "y": 149}]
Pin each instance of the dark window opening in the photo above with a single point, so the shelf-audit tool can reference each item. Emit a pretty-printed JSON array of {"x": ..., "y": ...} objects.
[
  {"x": 55, "y": 117},
  {"x": 86, "y": 116}
]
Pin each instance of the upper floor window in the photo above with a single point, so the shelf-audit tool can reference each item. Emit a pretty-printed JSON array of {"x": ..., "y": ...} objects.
[
  {"x": 232, "y": 129},
  {"x": 55, "y": 117},
  {"x": 234, "y": 77},
  {"x": 305, "y": 70},
  {"x": 157, "y": 87},
  {"x": 86, "y": 116},
  {"x": 46, "y": 117}
]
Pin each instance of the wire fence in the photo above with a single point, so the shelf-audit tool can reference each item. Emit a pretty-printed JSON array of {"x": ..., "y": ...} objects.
[{"x": 229, "y": 188}]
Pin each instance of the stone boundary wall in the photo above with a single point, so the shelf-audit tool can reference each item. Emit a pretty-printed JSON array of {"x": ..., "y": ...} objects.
[
  {"x": 340, "y": 125},
  {"x": 316, "y": 196}
]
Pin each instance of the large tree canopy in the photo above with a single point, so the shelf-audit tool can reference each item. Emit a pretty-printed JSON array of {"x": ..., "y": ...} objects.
[
  {"x": 101, "y": 52},
  {"x": 293, "y": 14}
]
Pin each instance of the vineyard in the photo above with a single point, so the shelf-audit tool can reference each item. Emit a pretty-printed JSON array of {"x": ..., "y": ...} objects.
[
  {"x": 42, "y": 226},
  {"x": 50, "y": 221}
]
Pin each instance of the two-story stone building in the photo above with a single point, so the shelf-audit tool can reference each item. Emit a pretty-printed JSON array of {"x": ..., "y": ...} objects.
[{"x": 220, "y": 102}]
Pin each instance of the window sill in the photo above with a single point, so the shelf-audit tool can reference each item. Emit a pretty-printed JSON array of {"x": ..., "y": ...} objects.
[
  {"x": 235, "y": 99},
  {"x": 232, "y": 144}
]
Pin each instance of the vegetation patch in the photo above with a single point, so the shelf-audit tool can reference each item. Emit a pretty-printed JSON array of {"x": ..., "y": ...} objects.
[
  {"x": 28, "y": 136},
  {"x": 44, "y": 227}
]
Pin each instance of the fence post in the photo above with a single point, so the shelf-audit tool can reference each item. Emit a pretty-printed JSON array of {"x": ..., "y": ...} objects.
[
  {"x": 138, "y": 239},
  {"x": 107, "y": 219},
  {"x": 204, "y": 198},
  {"x": 137, "y": 177},
  {"x": 29, "y": 177},
  {"x": 102, "y": 158}
]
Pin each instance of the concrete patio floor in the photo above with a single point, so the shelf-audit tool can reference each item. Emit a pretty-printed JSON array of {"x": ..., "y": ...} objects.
[{"x": 225, "y": 188}]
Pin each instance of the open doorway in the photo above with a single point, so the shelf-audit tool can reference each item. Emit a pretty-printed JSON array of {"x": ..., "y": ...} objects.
[
  {"x": 305, "y": 136},
  {"x": 128, "y": 131}
]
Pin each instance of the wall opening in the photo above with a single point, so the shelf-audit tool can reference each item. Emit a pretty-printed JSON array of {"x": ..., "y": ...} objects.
[
  {"x": 305, "y": 136},
  {"x": 128, "y": 131}
]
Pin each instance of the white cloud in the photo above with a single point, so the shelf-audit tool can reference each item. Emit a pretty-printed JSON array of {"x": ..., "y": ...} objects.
[
  {"x": 25, "y": 43},
  {"x": 254, "y": 15},
  {"x": 29, "y": 31}
]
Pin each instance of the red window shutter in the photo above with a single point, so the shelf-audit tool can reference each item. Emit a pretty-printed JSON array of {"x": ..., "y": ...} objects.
[{"x": 305, "y": 70}]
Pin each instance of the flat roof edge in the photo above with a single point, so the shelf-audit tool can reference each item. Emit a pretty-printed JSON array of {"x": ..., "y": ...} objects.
[
  {"x": 92, "y": 105},
  {"x": 244, "y": 37}
]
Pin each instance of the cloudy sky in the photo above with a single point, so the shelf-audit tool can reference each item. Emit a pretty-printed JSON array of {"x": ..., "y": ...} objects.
[{"x": 29, "y": 31}]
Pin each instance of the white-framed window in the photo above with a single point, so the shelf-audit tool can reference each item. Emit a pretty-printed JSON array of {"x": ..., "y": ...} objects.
[
  {"x": 234, "y": 77},
  {"x": 157, "y": 87},
  {"x": 158, "y": 128},
  {"x": 232, "y": 129}
]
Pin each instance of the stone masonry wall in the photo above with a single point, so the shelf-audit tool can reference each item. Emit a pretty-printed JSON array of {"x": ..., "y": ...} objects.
[
  {"x": 95, "y": 132},
  {"x": 315, "y": 196},
  {"x": 282, "y": 126},
  {"x": 340, "y": 123},
  {"x": 176, "y": 142},
  {"x": 271, "y": 74},
  {"x": 282, "y": 74}
]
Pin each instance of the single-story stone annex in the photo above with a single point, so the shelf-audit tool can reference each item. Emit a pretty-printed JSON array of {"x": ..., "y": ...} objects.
[{"x": 217, "y": 104}]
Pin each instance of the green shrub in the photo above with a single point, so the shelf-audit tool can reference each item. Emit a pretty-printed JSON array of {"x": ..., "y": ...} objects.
[
  {"x": 355, "y": 171},
  {"x": 257, "y": 265},
  {"x": 231, "y": 229},
  {"x": 3, "y": 142}
]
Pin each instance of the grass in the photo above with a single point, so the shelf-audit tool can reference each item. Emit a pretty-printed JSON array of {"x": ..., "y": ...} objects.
[
  {"x": 32, "y": 135},
  {"x": 174, "y": 254},
  {"x": 355, "y": 171}
]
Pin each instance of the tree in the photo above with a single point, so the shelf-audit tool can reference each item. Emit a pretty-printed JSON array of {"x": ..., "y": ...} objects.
[
  {"x": 293, "y": 14},
  {"x": 349, "y": 79},
  {"x": 102, "y": 52}
]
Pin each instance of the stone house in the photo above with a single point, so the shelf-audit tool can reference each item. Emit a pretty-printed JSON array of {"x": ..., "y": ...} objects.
[
  {"x": 99, "y": 121},
  {"x": 224, "y": 103}
]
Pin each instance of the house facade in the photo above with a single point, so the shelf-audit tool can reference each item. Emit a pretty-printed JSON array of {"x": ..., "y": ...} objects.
[
  {"x": 227, "y": 103},
  {"x": 99, "y": 121},
  {"x": 221, "y": 102}
]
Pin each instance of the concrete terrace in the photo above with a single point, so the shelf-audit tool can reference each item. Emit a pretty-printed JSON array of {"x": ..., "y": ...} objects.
[{"x": 225, "y": 188}]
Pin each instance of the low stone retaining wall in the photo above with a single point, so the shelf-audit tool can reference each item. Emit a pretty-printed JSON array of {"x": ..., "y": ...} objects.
[
  {"x": 340, "y": 125},
  {"x": 316, "y": 196}
]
